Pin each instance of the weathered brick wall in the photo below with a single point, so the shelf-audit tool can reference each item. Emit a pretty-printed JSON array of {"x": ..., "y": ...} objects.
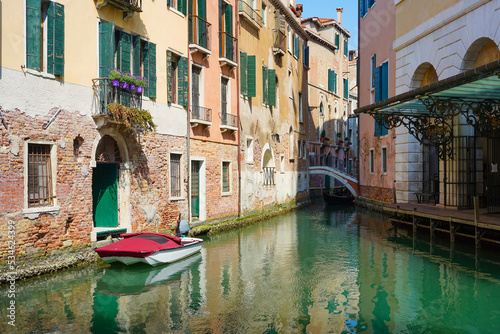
[
  {"x": 218, "y": 204},
  {"x": 72, "y": 225},
  {"x": 378, "y": 194}
]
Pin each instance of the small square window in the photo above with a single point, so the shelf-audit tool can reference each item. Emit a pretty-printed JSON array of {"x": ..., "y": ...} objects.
[{"x": 372, "y": 158}]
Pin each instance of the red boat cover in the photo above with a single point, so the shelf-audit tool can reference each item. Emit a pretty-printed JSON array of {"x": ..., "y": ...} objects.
[{"x": 139, "y": 245}]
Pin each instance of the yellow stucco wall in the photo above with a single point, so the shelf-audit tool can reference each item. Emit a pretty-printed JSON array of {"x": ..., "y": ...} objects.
[
  {"x": 412, "y": 13},
  {"x": 81, "y": 37}
]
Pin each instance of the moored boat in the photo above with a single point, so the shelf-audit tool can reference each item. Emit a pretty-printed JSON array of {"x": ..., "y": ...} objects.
[
  {"x": 339, "y": 195},
  {"x": 150, "y": 248}
]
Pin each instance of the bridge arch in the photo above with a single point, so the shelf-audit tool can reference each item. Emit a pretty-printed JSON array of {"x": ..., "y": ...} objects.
[{"x": 347, "y": 180}]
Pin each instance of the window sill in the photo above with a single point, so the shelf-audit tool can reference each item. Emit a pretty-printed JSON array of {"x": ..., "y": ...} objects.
[
  {"x": 40, "y": 74},
  {"x": 226, "y": 194},
  {"x": 34, "y": 213},
  {"x": 176, "y": 12},
  {"x": 177, "y": 199},
  {"x": 175, "y": 105}
]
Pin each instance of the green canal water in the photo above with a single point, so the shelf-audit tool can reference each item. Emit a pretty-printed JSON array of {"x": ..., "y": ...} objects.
[{"x": 315, "y": 270}]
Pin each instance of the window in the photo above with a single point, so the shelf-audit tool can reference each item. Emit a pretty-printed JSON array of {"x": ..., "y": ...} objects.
[
  {"x": 249, "y": 150},
  {"x": 196, "y": 99},
  {"x": 268, "y": 86},
  {"x": 299, "y": 150},
  {"x": 224, "y": 101},
  {"x": 381, "y": 93},
  {"x": 40, "y": 191},
  {"x": 180, "y": 5},
  {"x": 304, "y": 153},
  {"x": 226, "y": 40},
  {"x": 384, "y": 160},
  {"x": 301, "y": 116},
  {"x": 282, "y": 163},
  {"x": 177, "y": 80},
  {"x": 296, "y": 46},
  {"x": 332, "y": 81},
  {"x": 175, "y": 175},
  {"x": 129, "y": 53},
  {"x": 372, "y": 157},
  {"x": 247, "y": 75},
  {"x": 225, "y": 177},
  {"x": 45, "y": 36},
  {"x": 372, "y": 70},
  {"x": 290, "y": 39},
  {"x": 305, "y": 54},
  {"x": 364, "y": 5}
]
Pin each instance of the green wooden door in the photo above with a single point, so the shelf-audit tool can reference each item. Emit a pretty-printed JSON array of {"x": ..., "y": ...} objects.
[
  {"x": 104, "y": 195},
  {"x": 195, "y": 188}
]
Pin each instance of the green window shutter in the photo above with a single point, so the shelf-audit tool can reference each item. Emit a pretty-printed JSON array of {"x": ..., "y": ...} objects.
[
  {"x": 202, "y": 9},
  {"x": 106, "y": 48},
  {"x": 152, "y": 71},
  {"x": 243, "y": 73},
  {"x": 229, "y": 20},
  {"x": 33, "y": 34},
  {"x": 183, "y": 82},
  {"x": 296, "y": 46},
  {"x": 169, "y": 76},
  {"x": 136, "y": 55},
  {"x": 264, "y": 85},
  {"x": 346, "y": 48},
  {"x": 271, "y": 79},
  {"x": 251, "y": 77},
  {"x": 337, "y": 41},
  {"x": 330, "y": 80},
  {"x": 145, "y": 66},
  {"x": 346, "y": 88},
  {"x": 335, "y": 82},
  {"x": 55, "y": 39},
  {"x": 182, "y": 6},
  {"x": 123, "y": 54}
]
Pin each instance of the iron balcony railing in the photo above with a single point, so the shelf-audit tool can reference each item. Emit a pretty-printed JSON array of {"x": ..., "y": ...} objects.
[
  {"x": 250, "y": 13},
  {"x": 201, "y": 114},
  {"x": 105, "y": 93},
  {"x": 268, "y": 174},
  {"x": 227, "y": 46},
  {"x": 279, "y": 45},
  {"x": 199, "y": 32},
  {"x": 229, "y": 120}
]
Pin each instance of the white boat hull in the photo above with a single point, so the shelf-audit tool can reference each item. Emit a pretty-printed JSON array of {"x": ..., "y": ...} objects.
[{"x": 192, "y": 246}]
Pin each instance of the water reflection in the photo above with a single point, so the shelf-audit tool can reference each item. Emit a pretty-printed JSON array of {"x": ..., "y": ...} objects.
[{"x": 315, "y": 270}]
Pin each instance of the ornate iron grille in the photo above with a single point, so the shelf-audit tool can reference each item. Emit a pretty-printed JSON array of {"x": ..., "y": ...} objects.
[{"x": 268, "y": 175}]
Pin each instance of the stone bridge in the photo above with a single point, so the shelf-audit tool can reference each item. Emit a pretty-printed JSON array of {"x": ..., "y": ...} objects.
[{"x": 349, "y": 181}]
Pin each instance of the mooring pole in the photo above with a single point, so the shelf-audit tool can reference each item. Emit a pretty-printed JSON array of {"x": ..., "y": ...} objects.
[{"x": 476, "y": 221}]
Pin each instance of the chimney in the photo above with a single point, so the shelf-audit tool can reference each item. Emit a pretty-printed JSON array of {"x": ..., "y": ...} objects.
[{"x": 339, "y": 15}]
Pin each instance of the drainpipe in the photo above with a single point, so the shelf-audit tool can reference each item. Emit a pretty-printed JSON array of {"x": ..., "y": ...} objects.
[
  {"x": 188, "y": 125},
  {"x": 359, "y": 98},
  {"x": 238, "y": 112}
]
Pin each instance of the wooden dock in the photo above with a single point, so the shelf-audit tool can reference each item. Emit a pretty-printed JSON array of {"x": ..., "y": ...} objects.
[{"x": 472, "y": 224}]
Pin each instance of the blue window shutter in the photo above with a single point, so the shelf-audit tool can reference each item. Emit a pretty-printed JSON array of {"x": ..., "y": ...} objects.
[
  {"x": 106, "y": 48},
  {"x": 378, "y": 87},
  {"x": 377, "y": 125},
  {"x": 362, "y": 8},
  {"x": 384, "y": 84},
  {"x": 33, "y": 34}
]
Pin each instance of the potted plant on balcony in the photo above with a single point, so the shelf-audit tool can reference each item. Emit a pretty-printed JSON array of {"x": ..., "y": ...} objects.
[
  {"x": 141, "y": 84},
  {"x": 322, "y": 136},
  {"x": 132, "y": 117},
  {"x": 347, "y": 140},
  {"x": 339, "y": 138},
  {"x": 126, "y": 80},
  {"x": 115, "y": 76}
]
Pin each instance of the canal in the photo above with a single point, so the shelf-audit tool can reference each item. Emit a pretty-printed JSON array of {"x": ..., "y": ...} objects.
[{"x": 315, "y": 270}]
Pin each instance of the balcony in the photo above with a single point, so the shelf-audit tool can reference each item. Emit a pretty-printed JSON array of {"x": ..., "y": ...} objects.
[
  {"x": 250, "y": 15},
  {"x": 279, "y": 46},
  {"x": 201, "y": 116},
  {"x": 199, "y": 35},
  {"x": 227, "y": 47},
  {"x": 105, "y": 94},
  {"x": 128, "y": 7},
  {"x": 228, "y": 122}
]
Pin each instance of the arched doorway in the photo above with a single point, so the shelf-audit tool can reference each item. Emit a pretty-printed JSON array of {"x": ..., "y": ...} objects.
[{"x": 105, "y": 183}]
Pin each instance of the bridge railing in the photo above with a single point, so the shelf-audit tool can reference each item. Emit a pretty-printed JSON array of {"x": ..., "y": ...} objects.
[{"x": 334, "y": 163}]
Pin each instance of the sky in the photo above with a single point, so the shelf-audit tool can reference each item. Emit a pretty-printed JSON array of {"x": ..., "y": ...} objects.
[{"x": 328, "y": 9}]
